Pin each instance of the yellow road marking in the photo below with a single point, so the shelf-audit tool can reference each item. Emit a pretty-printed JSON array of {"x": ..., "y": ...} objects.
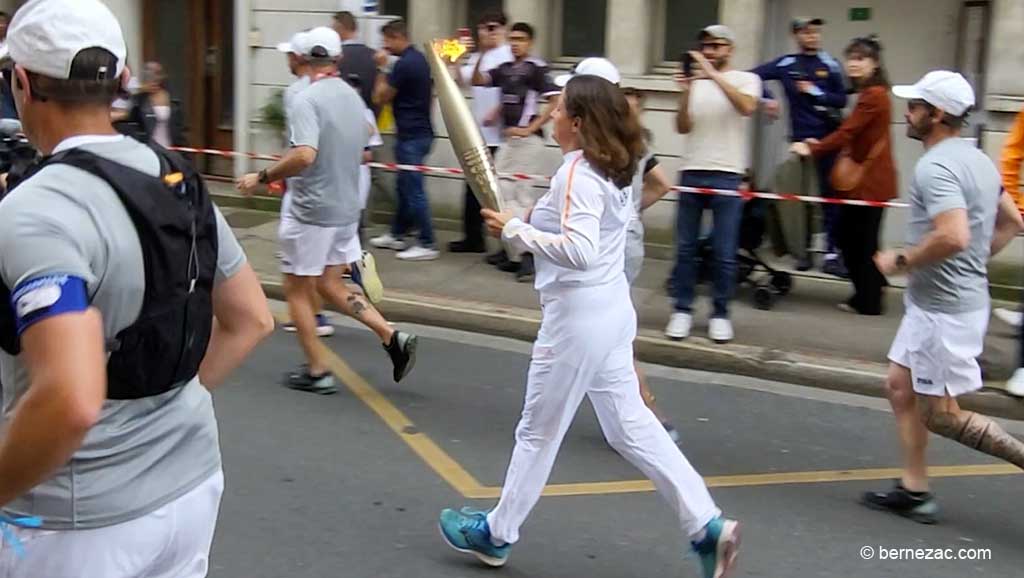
[
  {"x": 435, "y": 457},
  {"x": 464, "y": 482}
]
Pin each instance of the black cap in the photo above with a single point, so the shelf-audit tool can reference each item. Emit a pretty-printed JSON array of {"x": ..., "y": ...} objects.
[
  {"x": 93, "y": 64},
  {"x": 801, "y": 23}
]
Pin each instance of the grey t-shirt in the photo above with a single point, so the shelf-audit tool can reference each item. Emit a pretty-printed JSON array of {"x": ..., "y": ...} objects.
[
  {"x": 292, "y": 91},
  {"x": 141, "y": 454},
  {"x": 954, "y": 175},
  {"x": 328, "y": 116}
]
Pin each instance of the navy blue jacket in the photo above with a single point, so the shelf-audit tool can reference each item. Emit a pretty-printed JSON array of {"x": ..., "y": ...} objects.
[{"x": 809, "y": 113}]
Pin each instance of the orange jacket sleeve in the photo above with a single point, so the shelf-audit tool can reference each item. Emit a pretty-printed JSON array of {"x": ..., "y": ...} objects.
[
  {"x": 1013, "y": 156},
  {"x": 869, "y": 106}
]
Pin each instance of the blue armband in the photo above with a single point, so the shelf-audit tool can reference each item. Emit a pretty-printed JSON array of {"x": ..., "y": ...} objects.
[{"x": 43, "y": 297}]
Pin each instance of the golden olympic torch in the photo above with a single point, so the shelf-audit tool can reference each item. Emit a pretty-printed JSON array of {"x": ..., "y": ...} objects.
[{"x": 468, "y": 143}]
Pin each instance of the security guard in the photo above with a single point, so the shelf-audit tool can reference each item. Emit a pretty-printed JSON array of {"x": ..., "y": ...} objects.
[
  {"x": 816, "y": 93},
  {"x": 127, "y": 297}
]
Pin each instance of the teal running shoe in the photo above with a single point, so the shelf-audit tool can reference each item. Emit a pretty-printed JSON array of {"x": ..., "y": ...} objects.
[
  {"x": 719, "y": 547},
  {"x": 467, "y": 532}
]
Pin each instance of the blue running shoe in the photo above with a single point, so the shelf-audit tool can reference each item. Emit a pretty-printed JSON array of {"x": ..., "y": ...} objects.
[
  {"x": 718, "y": 549},
  {"x": 467, "y": 531}
]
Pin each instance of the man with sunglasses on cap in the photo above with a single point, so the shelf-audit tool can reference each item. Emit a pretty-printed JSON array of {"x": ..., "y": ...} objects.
[
  {"x": 960, "y": 217},
  {"x": 816, "y": 93},
  {"x": 715, "y": 104},
  {"x": 125, "y": 294}
]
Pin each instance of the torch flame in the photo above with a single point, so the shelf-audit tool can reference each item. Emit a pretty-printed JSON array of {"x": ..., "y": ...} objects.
[{"x": 449, "y": 48}]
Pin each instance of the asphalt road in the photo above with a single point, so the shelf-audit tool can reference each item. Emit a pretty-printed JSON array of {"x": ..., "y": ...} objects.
[{"x": 351, "y": 485}]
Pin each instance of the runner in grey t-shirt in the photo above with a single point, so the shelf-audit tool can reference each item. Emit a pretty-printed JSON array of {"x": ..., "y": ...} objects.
[
  {"x": 959, "y": 218},
  {"x": 141, "y": 453},
  {"x": 319, "y": 237},
  {"x": 954, "y": 174},
  {"x": 328, "y": 116},
  {"x": 122, "y": 487}
]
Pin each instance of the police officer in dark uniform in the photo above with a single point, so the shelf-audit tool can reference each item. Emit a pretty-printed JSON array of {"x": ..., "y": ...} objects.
[{"x": 816, "y": 93}]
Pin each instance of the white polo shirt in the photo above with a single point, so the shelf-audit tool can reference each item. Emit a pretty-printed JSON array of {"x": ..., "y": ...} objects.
[{"x": 485, "y": 98}]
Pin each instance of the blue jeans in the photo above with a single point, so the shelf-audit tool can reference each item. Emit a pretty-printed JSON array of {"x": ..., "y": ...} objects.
[
  {"x": 413, "y": 206},
  {"x": 727, "y": 212}
]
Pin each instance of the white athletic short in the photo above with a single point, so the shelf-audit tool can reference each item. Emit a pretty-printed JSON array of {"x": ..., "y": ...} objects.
[
  {"x": 941, "y": 350},
  {"x": 170, "y": 542},
  {"x": 306, "y": 250}
]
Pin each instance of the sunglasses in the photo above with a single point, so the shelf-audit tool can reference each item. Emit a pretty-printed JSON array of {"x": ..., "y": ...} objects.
[{"x": 715, "y": 45}]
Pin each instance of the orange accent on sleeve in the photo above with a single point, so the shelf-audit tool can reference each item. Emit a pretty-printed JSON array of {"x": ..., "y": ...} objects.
[
  {"x": 568, "y": 191},
  {"x": 1013, "y": 156}
]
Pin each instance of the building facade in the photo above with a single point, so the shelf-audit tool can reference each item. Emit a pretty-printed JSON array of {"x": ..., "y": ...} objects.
[{"x": 221, "y": 59}]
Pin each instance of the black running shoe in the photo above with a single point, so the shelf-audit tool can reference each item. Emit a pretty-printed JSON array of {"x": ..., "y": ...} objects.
[
  {"x": 303, "y": 380},
  {"x": 526, "y": 272},
  {"x": 402, "y": 351},
  {"x": 497, "y": 258},
  {"x": 919, "y": 507}
]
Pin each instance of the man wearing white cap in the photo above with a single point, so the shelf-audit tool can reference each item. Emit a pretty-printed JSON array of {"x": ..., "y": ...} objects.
[
  {"x": 959, "y": 218},
  {"x": 111, "y": 440},
  {"x": 328, "y": 133},
  {"x": 714, "y": 106}
]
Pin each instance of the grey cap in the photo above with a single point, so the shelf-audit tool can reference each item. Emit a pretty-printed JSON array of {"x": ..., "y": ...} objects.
[
  {"x": 801, "y": 23},
  {"x": 718, "y": 31}
]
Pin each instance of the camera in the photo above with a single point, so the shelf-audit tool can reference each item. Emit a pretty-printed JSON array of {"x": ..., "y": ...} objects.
[{"x": 17, "y": 156}]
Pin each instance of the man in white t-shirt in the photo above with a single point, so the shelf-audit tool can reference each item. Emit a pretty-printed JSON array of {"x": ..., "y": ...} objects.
[
  {"x": 486, "y": 106},
  {"x": 715, "y": 103}
]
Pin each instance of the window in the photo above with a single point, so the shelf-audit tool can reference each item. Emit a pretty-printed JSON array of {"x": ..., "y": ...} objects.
[
  {"x": 583, "y": 27},
  {"x": 684, "y": 19},
  {"x": 399, "y": 8}
]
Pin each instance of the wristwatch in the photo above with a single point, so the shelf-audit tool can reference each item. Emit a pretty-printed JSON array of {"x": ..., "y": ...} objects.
[{"x": 263, "y": 178}]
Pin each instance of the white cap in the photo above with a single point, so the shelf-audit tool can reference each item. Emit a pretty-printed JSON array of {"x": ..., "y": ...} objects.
[
  {"x": 46, "y": 36},
  {"x": 295, "y": 45},
  {"x": 322, "y": 42},
  {"x": 719, "y": 31},
  {"x": 942, "y": 89},
  {"x": 591, "y": 67}
]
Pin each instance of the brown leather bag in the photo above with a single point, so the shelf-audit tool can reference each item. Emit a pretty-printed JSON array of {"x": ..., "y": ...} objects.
[{"x": 847, "y": 173}]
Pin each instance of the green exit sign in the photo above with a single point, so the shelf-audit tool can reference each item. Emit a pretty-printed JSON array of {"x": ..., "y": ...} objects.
[{"x": 860, "y": 14}]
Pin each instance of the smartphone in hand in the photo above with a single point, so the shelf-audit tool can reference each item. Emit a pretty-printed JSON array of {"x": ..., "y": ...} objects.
[{"x": 686, "y": 61}]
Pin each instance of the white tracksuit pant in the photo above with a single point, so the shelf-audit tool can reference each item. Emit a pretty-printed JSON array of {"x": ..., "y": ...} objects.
[{"x": 585, "y": 347}]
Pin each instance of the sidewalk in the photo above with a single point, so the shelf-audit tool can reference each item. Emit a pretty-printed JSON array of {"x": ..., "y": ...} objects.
[{"x": 803, "y": 339}]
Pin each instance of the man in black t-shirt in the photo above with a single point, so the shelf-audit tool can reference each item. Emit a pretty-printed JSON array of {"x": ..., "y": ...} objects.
[{"x": 523, "y": 82}]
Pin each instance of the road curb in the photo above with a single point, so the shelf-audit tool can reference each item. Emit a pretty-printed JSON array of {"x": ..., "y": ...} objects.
[{"x": 836, "y": 374}]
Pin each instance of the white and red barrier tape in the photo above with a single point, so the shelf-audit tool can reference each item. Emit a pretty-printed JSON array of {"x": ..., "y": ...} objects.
[{"x": 525, "y": 177}]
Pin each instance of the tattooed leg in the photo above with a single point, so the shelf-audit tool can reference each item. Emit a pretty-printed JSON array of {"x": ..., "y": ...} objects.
[
  {"x": 945, "y": 418},
  {"x": 333, "y": 289}
]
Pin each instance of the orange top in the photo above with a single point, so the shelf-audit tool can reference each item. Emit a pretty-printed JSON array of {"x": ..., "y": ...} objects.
[{"x": 1013, "y": 156}]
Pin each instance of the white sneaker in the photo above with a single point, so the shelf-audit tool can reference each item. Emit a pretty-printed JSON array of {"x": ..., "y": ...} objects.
[
  {"x": 1011, "y": 318},
  {"x": 720, "y": 330},
  {"x": 1016, "y": 384},
  {"x": 679, "y": 326},
  {"x": 387, "y": 241},
  {"x": 419, "y": 253}
]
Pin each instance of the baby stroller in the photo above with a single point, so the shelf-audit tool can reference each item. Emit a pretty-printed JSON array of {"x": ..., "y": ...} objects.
[{"x": 767, "y": 282}]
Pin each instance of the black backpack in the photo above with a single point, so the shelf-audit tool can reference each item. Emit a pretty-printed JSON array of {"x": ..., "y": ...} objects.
[{"x": 177, "y": 230}]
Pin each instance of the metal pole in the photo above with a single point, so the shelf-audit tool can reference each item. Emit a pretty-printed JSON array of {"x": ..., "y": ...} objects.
[{"x": 242, "y": 107}]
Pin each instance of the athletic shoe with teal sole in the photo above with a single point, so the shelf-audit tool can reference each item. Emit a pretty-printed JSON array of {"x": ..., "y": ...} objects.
[
  {"x": 466, "y": 531},
  {"x": 719, "y": 547}
]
